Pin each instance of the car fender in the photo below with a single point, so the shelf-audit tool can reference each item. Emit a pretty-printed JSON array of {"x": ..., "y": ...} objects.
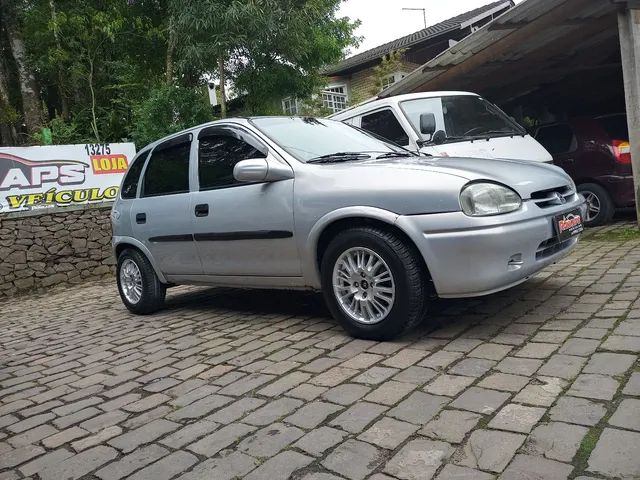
[
  {"x": 310, "y": 266},
  {"x": 120, "y": 240}
]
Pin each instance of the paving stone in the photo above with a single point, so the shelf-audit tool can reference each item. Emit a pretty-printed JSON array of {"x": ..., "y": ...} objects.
[
  {"x": 405, "y": 358},
  {"x": 451, "y": 425},
  {"x": 579, "y": 346},
  {"x": 272, "y": 411},
  {"x": 616, "y": 454},
  {"x": 388, "y": 433},
  {"x": 449, "y": 385},
  {"x": 317, "y": 441},
  {"x": 526, "y": 466},
  {"x": 167, "y": 467},
  {"x": 454, "y": 472},
  {"x": 480, "y": 400},
  {"x": 334, "y": 376},
  {"x": 563, "y": 366},
  {"x": 362, "y": 360},
  {"x": 280, "y": 466},
  {"x": 358, "y": 416},
  {"x": 415, "y": 375},
  {"x": 132, "y": 462},
  {"x": 14, "y": 457},
  {"x": 200, "y": 407},
  {"x": 104, "y": 420},
  {"x": 490, "y": 351},
  {"x": 34, "y": 436},
  {"x": 285, "y": 383},
  {"x": 463, "y": 345},
  {"x": 591, "y": 385},
  {"x": 328, "y": 476},
  {"x": 633, "y": 385},
  {"x": 45, "y": 461},
  {"x": 236, "y": 410},
  {"x": 312, "y": 414},
  {"x": 270, "y": 440},
  {"x": 29, "y": 423},
  {"x": 246, "y": 384},
  {"x": 549, "y": 336},
  {"x": 504, "y": 381},
  {"x": 353, "y": 459},
  {"x": 101, "y": 437},
  {"x": 346, "y": 394},
  {"x": 577, "y": 410},
  {"x": 619, "y": 343},
  {"x": 390, "y": 392},
  {"x": 440, "y": 359},
  {"x": 517, "y": 418},
  {"x": 518, "y": 366},
  {"x": 472, "y": 367},
  {"x": 80, "y": 464},
  {"x": 190, "y": 433},
  {"x": 307, "y": 392},
  {"x": 490, "y": 450},
  {"x": 609, "y": 363},
  {"x": 418, "y": 459},
  {"x": 63, "y": 437},
  {"x": 225, "y": 467},
  {"x": 556, "y": 441},
  {"x": 147, "y": 403},
  {"x": 627, "y": 415},
  {"x": 542, "y": 391},
  {"x": 144, "y": 434},
  {"x": 537, "y": 350},
  {"x": 375, "y": 375},
  {"x": 220, "y": 439},
  {"x": 419, "y": 408}
]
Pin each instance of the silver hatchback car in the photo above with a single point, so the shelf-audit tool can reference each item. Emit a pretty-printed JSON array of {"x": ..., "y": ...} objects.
[{"x": 306, "y": 203}]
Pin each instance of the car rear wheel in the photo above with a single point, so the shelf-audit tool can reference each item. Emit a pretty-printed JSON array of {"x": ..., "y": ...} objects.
[
  {"x": 374, "y": 283},
  {"x": 140, "y": 289},
  {"x": 600, "y": 208}
]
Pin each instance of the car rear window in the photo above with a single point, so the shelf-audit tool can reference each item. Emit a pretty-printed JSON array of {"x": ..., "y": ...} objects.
[
  {"x": 616, "y": 127},
  {"x": 557, "y": 138}
]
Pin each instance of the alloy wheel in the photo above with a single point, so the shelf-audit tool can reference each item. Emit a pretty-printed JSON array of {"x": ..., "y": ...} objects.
[{"x": 131, "y": 281}]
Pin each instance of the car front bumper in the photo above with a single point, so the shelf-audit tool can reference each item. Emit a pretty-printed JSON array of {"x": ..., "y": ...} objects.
[{"x": 473, "y": 256}]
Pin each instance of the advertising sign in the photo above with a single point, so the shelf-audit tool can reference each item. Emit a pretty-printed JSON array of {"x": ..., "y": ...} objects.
[{"x": 33, "y": 178}]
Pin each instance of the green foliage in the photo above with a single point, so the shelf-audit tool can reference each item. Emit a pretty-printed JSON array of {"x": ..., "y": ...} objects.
[
  {"x": 169, "y": 109},
  {"x": 390, "y": 64},
  {"x": 64, "y": 132}
]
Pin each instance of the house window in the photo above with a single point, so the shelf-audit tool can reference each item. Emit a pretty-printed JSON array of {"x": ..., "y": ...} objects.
[
  {"x": 335, "y": 98},
  {"x": 391, "y": 79},
  {"x": 290, "y": 106}
]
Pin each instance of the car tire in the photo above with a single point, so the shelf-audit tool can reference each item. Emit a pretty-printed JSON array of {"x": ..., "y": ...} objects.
[
  {"x": 408, "y": 282},
  {"x": 140, "y": 289},
  {"x": 597, "y": 197}
]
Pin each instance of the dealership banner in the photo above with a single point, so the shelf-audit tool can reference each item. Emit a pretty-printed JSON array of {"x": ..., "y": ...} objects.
[{"x": 33, "y": 178}]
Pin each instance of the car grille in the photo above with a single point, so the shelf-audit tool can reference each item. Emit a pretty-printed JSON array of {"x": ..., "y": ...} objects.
[
  {"x": 552, "y": 246},
  {"x": 553, "y": 196}
]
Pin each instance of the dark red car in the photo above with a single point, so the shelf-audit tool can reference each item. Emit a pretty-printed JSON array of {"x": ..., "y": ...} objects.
[{"x": 595, "y": 151}]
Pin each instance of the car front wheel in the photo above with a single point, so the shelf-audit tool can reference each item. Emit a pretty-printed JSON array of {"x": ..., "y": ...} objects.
[
  {"x": 374, "y": 283},
  {"x": 140, "y": 288}
]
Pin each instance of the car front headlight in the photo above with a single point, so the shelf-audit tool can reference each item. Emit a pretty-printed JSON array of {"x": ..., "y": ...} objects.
[{"x": 484, "y": 199}]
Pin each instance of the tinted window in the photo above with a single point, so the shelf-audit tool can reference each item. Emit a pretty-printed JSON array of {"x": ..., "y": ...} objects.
[
  {"x": 616, "y": 127},
  {"x": 168, "y": 171},
  {"x": 130, "y": 184},
  {"x": 385, "y": 124},
  {"x": 217, "y": 155},
  {"x": 556, "y": 138}
]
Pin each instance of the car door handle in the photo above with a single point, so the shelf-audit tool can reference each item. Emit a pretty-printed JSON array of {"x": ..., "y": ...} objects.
[
  {"x": 202, "y": 210},
  {"x": 141, "y": 218}
]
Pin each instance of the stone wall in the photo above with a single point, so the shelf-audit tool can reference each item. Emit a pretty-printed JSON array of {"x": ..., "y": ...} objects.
[{"x": 64, "y": 245}]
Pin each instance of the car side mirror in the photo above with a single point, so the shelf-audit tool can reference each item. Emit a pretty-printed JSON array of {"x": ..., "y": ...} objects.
[
  {"x": 439, "y": 137},
  {"x": 427, "y": 123},
  {"x": 257, "y": 170}
]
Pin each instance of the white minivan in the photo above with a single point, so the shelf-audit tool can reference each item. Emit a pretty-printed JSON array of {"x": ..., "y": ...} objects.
[{"x": 453, "y": 124}]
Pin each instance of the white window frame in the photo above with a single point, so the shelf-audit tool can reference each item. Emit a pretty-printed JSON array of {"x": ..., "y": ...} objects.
[
  {"x": 294, "y": 106},
  {"x": 333, "y": 99},
  {"x": 392, "y": 78}
]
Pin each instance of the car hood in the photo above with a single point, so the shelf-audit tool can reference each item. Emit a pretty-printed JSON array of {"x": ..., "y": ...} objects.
[{"x": 523, "y": 176}]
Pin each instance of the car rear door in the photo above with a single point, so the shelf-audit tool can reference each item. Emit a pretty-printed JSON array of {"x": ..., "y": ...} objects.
[
  {"x": 241, "y": 228},
  {"x": 161, "y": 216},
  {"x": 561, "y": 142}
]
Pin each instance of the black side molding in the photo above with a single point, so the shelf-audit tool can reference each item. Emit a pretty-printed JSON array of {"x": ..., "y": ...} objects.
[
  {"x": 249, "y": 235},
  {"x": 172, "y": 238}
]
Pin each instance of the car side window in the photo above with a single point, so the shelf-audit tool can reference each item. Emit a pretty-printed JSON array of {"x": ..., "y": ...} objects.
[
  {"x": 557, "y": 139},
  {"x": 167, "y": 171},
  {"x": 132, "y": 178},
  {"x": 385, "y": 124},
  {"x": 218, "y": 153}
]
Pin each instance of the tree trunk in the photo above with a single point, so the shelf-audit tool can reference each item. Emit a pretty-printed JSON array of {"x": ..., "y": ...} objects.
[
  {"x": 31, "y": 106},
  {"x": 64, "y": 101},
  {"x": 223, "y": 96},
  {"x": 171, "y": 47},
  {"x": 8, "y": 131},
  {"x": 94, "y": 121}
]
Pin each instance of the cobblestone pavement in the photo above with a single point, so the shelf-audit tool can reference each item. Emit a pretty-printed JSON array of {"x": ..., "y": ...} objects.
[{"x": 539, "y": 382}]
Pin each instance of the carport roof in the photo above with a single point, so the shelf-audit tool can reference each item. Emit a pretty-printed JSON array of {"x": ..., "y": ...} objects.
[{"x": 536, "y": 43}]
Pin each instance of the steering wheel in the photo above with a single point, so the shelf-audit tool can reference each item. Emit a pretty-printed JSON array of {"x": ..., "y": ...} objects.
[{"x": 473, "y": 130}]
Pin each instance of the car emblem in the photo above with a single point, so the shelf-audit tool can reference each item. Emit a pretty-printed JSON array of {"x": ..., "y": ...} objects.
[{"x": 559, "y": 198}]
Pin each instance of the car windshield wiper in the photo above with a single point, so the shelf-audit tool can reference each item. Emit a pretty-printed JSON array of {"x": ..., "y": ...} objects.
[
  {"x": 340, "y": 157},
  {"x": 395, "y": 155}
]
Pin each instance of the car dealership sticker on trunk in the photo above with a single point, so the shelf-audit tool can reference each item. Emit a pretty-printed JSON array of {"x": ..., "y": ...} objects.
[{"x": 569, "y": 224}]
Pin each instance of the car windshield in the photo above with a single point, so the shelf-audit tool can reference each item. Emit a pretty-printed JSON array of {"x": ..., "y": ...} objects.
[
  {"x": 311, "y": 139},
  {"x": 461, "y": 117}
]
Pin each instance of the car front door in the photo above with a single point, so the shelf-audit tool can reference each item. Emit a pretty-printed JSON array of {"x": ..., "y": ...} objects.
[
  {"x": 161, "y": 216},
  {"x": 241, "y": 228}
]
